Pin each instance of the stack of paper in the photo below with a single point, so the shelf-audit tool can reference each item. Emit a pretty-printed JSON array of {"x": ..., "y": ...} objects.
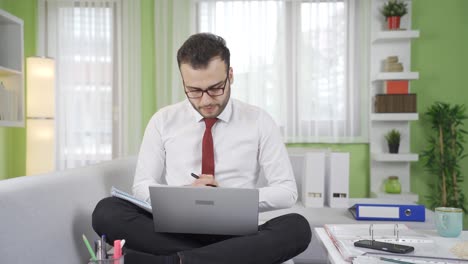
[
  {"x": 369, "y": 260},
  {"x": 407, "y": 259},
  {"x": 428, "y": 246},
  {"x": 344, "y": 236}
]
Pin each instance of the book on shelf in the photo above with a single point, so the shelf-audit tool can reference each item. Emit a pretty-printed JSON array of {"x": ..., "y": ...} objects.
[
  {"x": 130, "y": 198},
  {"x": 396, "y": 87},
  {"x": 395, "y": 103}
]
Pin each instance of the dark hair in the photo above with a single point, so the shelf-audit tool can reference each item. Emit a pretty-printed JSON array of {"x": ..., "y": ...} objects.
[{"x": 200, "y": 48}]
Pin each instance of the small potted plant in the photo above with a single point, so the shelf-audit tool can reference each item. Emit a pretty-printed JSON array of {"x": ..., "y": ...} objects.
[
  {"x": 393, "y": 10},
  {"x": 393, "y": 140}
]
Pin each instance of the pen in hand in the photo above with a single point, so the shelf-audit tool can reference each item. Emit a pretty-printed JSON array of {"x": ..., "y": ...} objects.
[{"x": 198, "y": 177}]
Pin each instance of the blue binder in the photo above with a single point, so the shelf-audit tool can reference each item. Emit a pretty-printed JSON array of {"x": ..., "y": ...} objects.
[{"x": 389, "y": 212}]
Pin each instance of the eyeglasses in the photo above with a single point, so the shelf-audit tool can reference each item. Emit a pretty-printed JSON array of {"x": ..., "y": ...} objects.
[{"x": 215, "y": 91}]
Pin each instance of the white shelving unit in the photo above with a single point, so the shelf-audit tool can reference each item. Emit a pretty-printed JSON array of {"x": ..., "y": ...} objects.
[
  {"x": 11, "y": 71},
  {"x": 383, "y": 164},
  {"x": 404, "y": 196},
  {"x": 400, "y": 157},
  {"x": 395, "y": 35},
  {"x": 383, "y": 76},
  {"x": 395, "y": 117}
]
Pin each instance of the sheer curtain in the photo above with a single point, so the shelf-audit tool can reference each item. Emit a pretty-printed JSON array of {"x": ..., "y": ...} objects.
[
  {"x": 255, "y": 32},
  {"x": 174, "y": 23},
  {"x": 127, "y": 106},
  {"x": 331, "y": 91},
  {"x": 299, "y": 60},
  {"x": 98, "y": 83}
]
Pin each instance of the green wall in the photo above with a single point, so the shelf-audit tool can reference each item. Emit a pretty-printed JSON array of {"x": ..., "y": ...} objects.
[
  {"x": 13, "y": 140},
  {"x": 359, "y": 184},
  {"x": 440, "y": 56}
]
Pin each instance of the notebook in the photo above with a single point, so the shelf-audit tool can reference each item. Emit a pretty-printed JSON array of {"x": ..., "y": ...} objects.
[
  {"x": 204, "y": 210},
  {"x": 128, "y": 197}
]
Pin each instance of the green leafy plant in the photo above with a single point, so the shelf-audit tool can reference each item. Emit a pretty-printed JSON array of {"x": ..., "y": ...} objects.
[
  {"x": 394, "y": 8},
  {"x": 444, "y": 153},
  {"x": 393, "y": 137}
]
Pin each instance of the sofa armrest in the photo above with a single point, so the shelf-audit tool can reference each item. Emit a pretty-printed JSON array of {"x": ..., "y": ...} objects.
[{"x": 44, "y": 216}]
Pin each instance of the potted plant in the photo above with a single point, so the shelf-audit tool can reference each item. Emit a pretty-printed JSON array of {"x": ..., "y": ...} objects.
[
  {"x": 393, "y": 10},
  {"x": 393, "y": 140},
  {"x": 443, "y": 154}
]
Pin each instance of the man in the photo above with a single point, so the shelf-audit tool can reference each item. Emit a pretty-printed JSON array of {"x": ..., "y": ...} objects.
[{"x": 244, "y": 140}]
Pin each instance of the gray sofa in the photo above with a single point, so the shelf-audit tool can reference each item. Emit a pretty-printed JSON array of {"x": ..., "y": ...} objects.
[{"x": 42, "y": 217}]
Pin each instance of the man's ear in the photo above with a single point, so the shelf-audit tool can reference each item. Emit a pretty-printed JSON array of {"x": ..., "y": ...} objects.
[{"x": 231, "y": 75}]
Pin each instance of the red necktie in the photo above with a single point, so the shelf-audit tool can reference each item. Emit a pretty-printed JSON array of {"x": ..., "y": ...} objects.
[{"x": 207, "y": 148}]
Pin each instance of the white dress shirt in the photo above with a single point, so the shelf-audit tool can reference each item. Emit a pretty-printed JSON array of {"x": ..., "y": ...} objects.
[{"x": 246, "y": 141}]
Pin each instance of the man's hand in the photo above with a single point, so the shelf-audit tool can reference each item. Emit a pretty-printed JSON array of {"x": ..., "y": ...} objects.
[{"x": 205, "y": 180}]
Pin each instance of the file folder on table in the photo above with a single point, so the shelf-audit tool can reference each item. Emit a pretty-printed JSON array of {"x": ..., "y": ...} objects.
[
  {"x": 313, "y": 180},
  {"x": 389, "y": 212},
  {"x": 337, "y": 180}
]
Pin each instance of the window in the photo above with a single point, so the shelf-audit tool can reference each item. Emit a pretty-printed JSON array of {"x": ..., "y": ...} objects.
[
  {"x": 98, "y": 78},
  {"x": 299, "y": 60},
  {"x": 86, "y": 53}
]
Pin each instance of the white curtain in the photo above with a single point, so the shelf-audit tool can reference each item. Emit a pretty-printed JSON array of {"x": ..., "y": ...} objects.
[
  {"x": 255, "y": 32},
  {"x": 174, "y": 23},
  {"x": 299, "y": 60},
  {"x": 128, "y": 113},
  {"x": 96, "y": 47}
]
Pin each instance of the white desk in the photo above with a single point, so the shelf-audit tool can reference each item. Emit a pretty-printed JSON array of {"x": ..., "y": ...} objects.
[
  {"x": 317, "y": 217},
  {"x": 333, "y": 256}
]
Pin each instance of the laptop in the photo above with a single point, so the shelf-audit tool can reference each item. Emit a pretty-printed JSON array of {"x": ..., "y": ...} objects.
[{"x": 204, "y": 210}]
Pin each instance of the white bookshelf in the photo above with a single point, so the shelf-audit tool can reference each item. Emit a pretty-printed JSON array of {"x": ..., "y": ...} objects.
[
  {"x": 385, "y": 43},
  {"x": 391, "y": 157},
  {"x": 393, "y": 35},
  {"x": 11, "y": 71},
  {"x": 394, "y": 117},
  {"x": 405, "y": 196},
  {"x": 6, "y": 71},
  {"x": 383, "y": 76}
]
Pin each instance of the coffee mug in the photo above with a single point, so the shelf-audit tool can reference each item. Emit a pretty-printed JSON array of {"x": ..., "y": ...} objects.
[{"x": 449, "y": 221}]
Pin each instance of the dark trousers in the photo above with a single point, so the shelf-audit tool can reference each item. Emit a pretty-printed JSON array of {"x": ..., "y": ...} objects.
[{"x": 276, "y": 241}]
